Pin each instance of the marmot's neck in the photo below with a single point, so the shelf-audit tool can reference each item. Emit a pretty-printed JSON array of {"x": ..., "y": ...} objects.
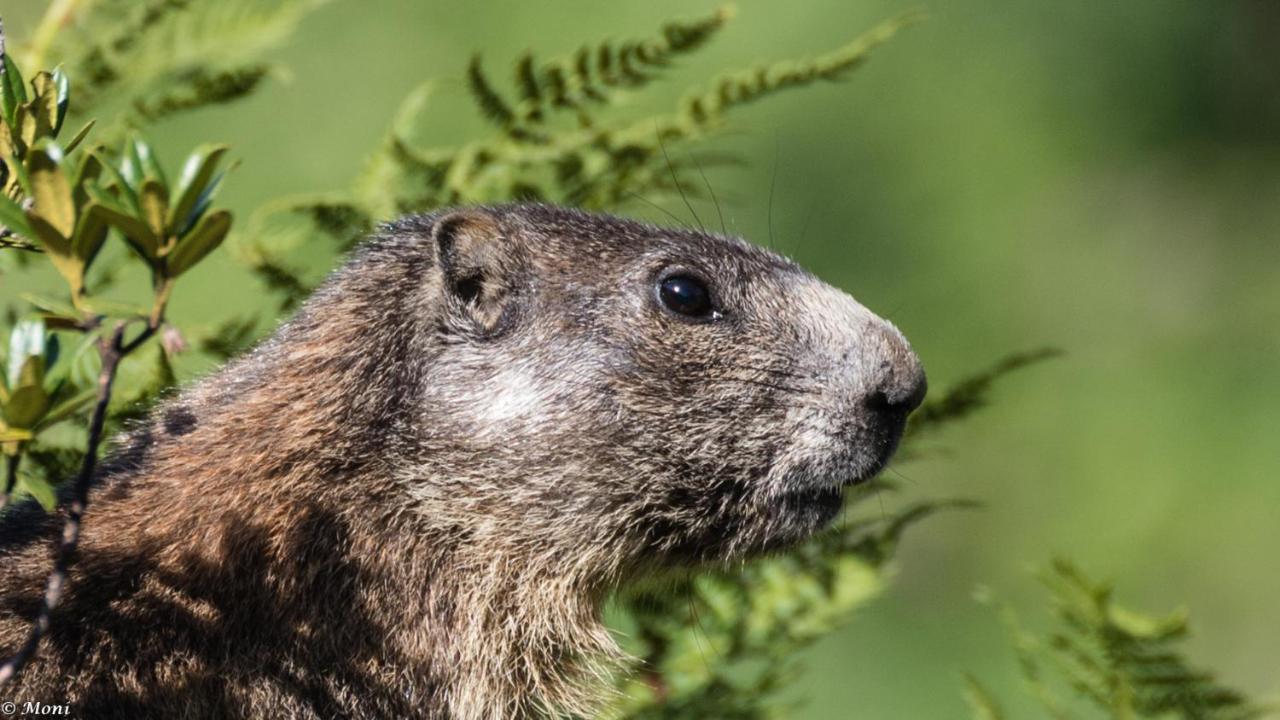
[{"x": 253, "y": 502}]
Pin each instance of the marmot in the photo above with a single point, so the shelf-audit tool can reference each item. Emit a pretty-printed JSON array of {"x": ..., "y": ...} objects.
[{"x": 412, "y": 499}]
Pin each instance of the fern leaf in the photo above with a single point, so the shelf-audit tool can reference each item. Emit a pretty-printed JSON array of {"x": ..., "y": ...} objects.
[
  {"x": 138, "y": 62},
  {"x": 970, "y": 394},
  {"x": 492, "y": 105},
  {"x": 736, "y": 89}
]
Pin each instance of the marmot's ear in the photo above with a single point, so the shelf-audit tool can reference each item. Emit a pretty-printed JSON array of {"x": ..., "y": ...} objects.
[{"x": 476, "y": 264}]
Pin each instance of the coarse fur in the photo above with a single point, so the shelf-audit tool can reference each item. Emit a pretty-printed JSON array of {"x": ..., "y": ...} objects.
[{"x": 412, "y": 499}]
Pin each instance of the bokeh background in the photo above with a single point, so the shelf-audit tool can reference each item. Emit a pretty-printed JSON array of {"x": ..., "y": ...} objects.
[{"x": 1102, "y": 177}]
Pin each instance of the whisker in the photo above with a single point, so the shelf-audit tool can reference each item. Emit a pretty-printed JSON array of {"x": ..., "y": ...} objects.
[
  {"x": 900, "y": 474},
  {"x": 656, "y": 206},
  {"x": 714, "y": 199},
  {"x": 671, "y": 168},
  {"x": 773, "y": 182}
]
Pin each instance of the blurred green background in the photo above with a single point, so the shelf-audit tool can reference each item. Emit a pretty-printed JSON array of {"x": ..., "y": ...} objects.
[{"x": 1099, "y": 176}]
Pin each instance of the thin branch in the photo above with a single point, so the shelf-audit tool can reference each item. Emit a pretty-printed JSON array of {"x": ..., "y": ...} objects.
[
  {"x": 11, "y": 241},
  {"x": 111, "y": 350}
]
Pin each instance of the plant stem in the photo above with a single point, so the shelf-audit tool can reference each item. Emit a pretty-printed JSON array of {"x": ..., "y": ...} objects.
[
  {"x": 163, "y": 290},
  {"x": 111, "y": 350},
  {"x": 10, "y": 478},
  {"x": 58, "y": 14}
]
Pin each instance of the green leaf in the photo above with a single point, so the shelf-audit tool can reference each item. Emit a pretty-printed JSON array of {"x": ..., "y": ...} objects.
[
  {"x": 122, "y": 184},
  {"x": 50, "y": 189},
  {"x": 28, "y": 127},
  {"x": 56, "y": 245},
  {"x": 14, "y": 217},
  {"x": 31, "y": 374},
  {"x": 63, "y": 85},
  {"x": 86, "y": 173},
  {"x": 981, "y": 703},
  {"x": 13, "y": 91},
  {"x": 44, "y": 106},
  {"x": 143, "y": 164},
  {"x": 15, "y": 435},
  {"x": 135, "y": 231},
  {"x": 47, "y": 304},
  {"x": 25, "y": 340},
  {"x": 91, "y": 232},
  {"x": 19, "y": 170},
  {"x": 39, "y": 489},
  {"x": 155, "y": 206},
  {"x": 68, "y": 408},
  {"x": 26, "y": 406},
  {"x": 79, "y": 136},
  {"x": 207, "y": 235},
  {"x": 197, "y": 176},
  {"x": 203, "y": 202}
]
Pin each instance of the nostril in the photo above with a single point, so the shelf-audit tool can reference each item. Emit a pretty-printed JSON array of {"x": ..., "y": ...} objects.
[
  {"x": 878, "y": 402},
  {"x": 899, "y": 399},
  {"x": 915, "y": 397}
]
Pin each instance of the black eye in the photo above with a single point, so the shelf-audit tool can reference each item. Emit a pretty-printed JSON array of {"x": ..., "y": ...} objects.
[{"x": 685, "y": 295}]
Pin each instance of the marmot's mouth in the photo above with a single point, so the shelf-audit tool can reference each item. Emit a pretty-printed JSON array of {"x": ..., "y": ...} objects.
[{"x": 818, "y": 505}]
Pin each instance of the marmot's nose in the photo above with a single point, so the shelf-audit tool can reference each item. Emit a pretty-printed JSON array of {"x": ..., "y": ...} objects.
[
  {"x": 901, "y": 386},
  {"x": 899, "y": 397}
]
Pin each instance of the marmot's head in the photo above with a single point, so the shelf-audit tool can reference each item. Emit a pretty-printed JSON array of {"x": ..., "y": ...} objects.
[{"x": 613, "y": 393}]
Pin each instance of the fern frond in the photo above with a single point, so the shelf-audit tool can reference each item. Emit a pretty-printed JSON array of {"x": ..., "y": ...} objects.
[
  {"x": 592, "y": 75},
  {"x": 970, "y": 394},
  {"x": 1125, "y": 663},
  {"x": 981, "y": 703},
  {"x": 491, "y": 103},
  {"x": 138, "y": 62},
  {"x": 754, "y": 619},
  {"x": 700, "y": 110}
]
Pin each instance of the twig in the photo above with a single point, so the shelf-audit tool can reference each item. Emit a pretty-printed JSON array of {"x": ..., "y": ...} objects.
[
  {"x": 55, "y": 18},
  {"x": 9, "y": 240},
  {"x": 111, "y": 349}
]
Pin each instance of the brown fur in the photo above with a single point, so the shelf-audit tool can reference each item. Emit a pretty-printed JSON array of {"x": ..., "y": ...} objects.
[{"x": 412, "y": 499}]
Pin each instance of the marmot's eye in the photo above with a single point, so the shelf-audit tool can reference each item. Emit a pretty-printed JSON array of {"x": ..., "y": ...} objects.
[{"x": 685, "y": 295}]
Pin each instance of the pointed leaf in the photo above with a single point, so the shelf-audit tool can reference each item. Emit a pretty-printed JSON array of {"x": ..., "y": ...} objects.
[
  {"x": 44, "y": 104},
  {"x": 55, "y": 244},
  {"x": 40, "y": 489},
  {"x": 26, "y": 406},
  {"x": 142, "y": 163},
  {"x": 203, "y": 202},
  {"x": 19, "y": 171},
  {"x": 48, "y": 305},
  {"x": 52, "y": 348},
  {"x": 90, "y": 233},
  {"x": 131, "y": 164},
  {"x": 32, "y": 372},
  {"x": 25, "y": 340},
  {"x": 63, "y": 85},
  {"x": 14, "y": 217},
  {"x": 12, "y": 90},
  {"x": 50, "y": 189},
  {"x": 135, "y": 231},
  {"x": 128, "y": 194},
  {"x": 86, "y": 173},
  {"x": 68, "y": 408},
  {"x": 79, "y": 136},
  {"x": 155, "y": 206},
  {"x": 28, "y": 128},
  {"x": 191, "y": 249},
  {"x": 197, "y": 174}
]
